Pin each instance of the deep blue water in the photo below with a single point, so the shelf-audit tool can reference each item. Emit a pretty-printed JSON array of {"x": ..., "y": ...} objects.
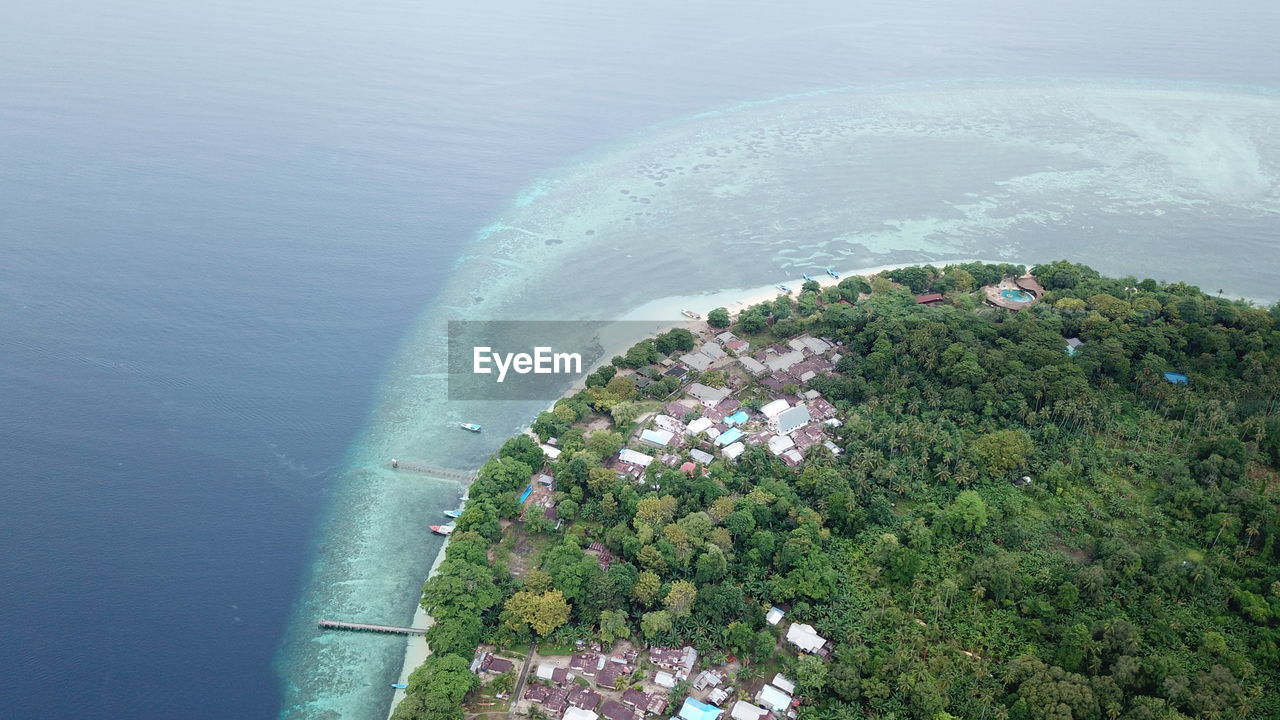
[{"x": 217, "y": 221}]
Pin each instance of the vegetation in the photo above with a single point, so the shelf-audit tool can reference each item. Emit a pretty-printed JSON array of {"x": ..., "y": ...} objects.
[{"x": 1136, "y": 576}]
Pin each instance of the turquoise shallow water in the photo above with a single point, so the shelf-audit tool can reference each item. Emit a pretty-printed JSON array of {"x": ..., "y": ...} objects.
[{"x": 1117, "y": 175}]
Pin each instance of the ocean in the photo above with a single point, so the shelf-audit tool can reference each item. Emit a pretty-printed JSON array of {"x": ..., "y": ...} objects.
[{"x": 230, "y": 235}]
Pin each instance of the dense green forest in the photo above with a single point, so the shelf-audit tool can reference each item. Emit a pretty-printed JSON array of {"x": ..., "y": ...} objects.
[{"x": 1136, "y": 576}]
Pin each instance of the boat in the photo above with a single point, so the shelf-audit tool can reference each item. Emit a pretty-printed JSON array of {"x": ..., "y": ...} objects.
[
  {"x": 441, "y": 529},
  {"x": 809, "y": 278},
  {"x": 691, "y": 314},
  {"x": 783, "y": 288},
  {"x": 453, "y": 513},
  {"x": 470, "y": 427},
  {"x": 833, "y": 273},
  {"x": 399, "y": 686}
]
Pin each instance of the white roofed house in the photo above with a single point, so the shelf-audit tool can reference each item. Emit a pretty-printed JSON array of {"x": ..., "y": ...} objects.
[
  {"x": 753, "y": 366},
  {"x": 634, "y": 457},
  {"x": 775, "y": 408},
  {"x": 657, "y": 438},
  {"x": 700, "y": 456},
  {"x": 806, "y": 638},
  {"x": 779, "y": 444},
  {"x": 785, "y": 361},
  {"x": 773, "y": 699},
  {"x": 706, "y": 394},
  {"x": 743, "y": 710},
  {"x": 781, "y": 682},
  {"x": 699, "y": 426},
  {"x": 731, "y": 452},
  {"x": 696, "y": 360}
]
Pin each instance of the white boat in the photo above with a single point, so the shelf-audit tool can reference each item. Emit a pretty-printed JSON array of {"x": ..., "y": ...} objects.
[
  {"x": 442, "y": 529},
  {"x": 691, "y": 314},
  {"x": 470, "y": 427}
]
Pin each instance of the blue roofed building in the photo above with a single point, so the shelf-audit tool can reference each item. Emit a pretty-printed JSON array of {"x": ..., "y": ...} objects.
[
  {"x": 737, "y": 418},
  {"x": 729, "y": 437},
  {"x": 697, "y": 710},
  {"x": 1176, "y": 378}
]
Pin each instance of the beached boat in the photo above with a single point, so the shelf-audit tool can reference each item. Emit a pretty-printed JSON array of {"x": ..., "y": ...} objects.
[
  {"x": 833, "y": 273},
  {"x": 453, "y": 513},
  {"x": 399, "y": 686},
  {"x": 783, "y": 288},
  {"x": 809, "y": 278},
  {"x": 470, "y": 427},
  {"x": 691, "y": 314},
  {"x": 441, "y": 529}
]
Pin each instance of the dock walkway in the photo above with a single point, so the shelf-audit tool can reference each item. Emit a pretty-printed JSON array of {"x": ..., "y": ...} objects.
[{"x": 366, "y": 627}]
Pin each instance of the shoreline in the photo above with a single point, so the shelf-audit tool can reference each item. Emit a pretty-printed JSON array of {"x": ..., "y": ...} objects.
[{"x": 733, "y": 299}]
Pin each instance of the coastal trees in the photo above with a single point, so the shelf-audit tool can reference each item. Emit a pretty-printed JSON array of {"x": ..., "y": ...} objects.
[
  {"x": 435, "y": 690},
  {"x": 718, "y": 318}
]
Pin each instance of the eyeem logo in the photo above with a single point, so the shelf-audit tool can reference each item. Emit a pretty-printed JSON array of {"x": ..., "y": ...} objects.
[{"x": 542, "y": 361}]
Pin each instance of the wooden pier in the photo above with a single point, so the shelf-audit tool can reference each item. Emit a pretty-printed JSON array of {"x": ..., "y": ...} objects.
[
  {"x": 433, "y": 471},
  {"x": 365, "y": 627}
]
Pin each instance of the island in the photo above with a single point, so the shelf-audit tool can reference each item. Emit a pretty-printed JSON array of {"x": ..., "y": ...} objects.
[{"x": 974, "y": 491}]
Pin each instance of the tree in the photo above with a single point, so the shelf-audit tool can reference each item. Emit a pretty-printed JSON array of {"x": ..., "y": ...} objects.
[
  {"x": 543, "y": 612},
  {"x": 679, "y": 599},
  {"x": 614, "y": 625},
  {"x": 436, "y": 689},
  {"x": 655, "y": 623},
  {"x": 969, "y": 513},
  {"x": 646, "y": 589},
  {"x": 811, "y": 674},
  {"x": 523, "y": 449},
  {"x": 718, "y": 318},
  {"x": 604, "y": 444},
  {"x": 1002, "y": 451}
]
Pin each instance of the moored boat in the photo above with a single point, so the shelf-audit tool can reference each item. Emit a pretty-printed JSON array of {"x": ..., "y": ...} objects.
[
  {"x": 470, "y": 427},
  {"x": 691, "y": 314},
  {"x": 399, "y": 686},
  {"x": 783, "y": 288},
  {"x": 809, "y": 278},
  {"x": 442, "y": 529},
  {"x": 833, "y": 273},
  {"x": 453, "y": 513}
]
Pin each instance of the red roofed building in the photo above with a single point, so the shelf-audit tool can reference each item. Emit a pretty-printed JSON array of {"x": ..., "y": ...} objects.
[{"x": 929, "y": 298}]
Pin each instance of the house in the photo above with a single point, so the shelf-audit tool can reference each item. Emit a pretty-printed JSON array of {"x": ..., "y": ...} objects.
[
  {"x": 586, "y": 663},
  {"x": 728, "y": 437},
  {"x": 707, "y": 679},
  {"x": 929, "y": 298},
  {"x": 1073, "y": 345},
  {"x": 603, "y": 557},
  {"x": 698, "y": 710},
  {"x": 779, "y": 444},
  {"x": 627, "y": 455},
  {"x": 1029, "y": 283},
  {"x": 752, "y": 366},
  {"x": 774, "y": 616},
  {"x": 737, "y": 418},
  {"x": 782, "y": 683},
  {"x": 743, "y": 710},
  {"x": 696, "y": 360},
  {"x": 545, "y": 479},
  {"x": 657, "y": 438},
  {"x": 780, "y": 363},
  {"x": 792, "y": 458},
  {"x": 681, "y": 661},
  {"x": 731, "y": 452},
  {"x": 496, "y": 665},
  {"x": 817, "y": 346},
  {"x": 614, "y": 710},
  {"x": 645, "y": 702},
  {"x": 550, "y": 451},
  {"x": 700, "y": 456},
  {"x": 552, "y": 674},
  {"x": 792, "y": 419},
  {"x": 737, "y": 345},
  {"x": 585, "y": 698},
  {"x": 719, "y": 695},
  {"x": 805, "y": 637},
  {"x": 726, "y": 336},
  {"x": 774, "y": 409},
  {"x": 669, "y": 423},
  {"x": 773, "y": 698},
  {"x": 664, "y": 679},
  {"x": 609, "y": 674},
  {"x": 712, "y": 350},
  {"x": 699, "y": 426},
  {"x": 707, "y": 395},
  {"x": 576, "y": 713},
  {"x": 677, "y": 410}
]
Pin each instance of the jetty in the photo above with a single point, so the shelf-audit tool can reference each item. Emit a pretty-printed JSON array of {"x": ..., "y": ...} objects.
[
  {"x": 432, "y": 470},
  {"x": 365, "y": 627}
]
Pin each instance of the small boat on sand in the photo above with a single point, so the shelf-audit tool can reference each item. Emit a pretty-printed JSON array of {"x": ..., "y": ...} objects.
[
  {"x": 809, "y": 278},
  {"x": 691, "y": 314},
  {"x": 399, "y": 686},
  {"x": 453, "y": 513},
  {"x": 833, "y": 273},
  {"x": 441, "y": 529},
  {"x": 470, "y": 427},
  {"x": 783, "y": 288}
]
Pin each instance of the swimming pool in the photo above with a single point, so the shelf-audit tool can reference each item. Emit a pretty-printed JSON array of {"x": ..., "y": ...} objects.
[{"x": 1017, "y": 296}]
